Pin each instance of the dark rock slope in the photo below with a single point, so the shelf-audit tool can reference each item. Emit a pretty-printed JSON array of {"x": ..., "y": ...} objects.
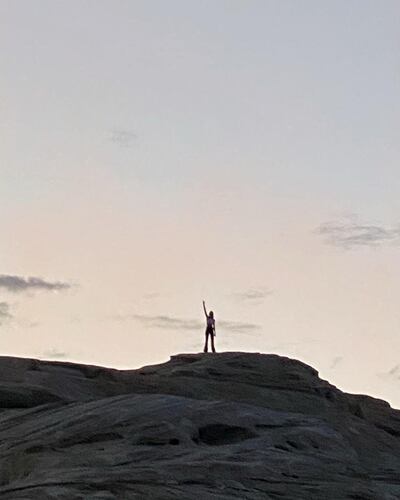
[{"x": 224, "y": 426}]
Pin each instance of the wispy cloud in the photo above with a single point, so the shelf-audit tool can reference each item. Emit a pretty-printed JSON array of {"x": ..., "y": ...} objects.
[
  {"x": 253, "y": 295},
  {"x": 391, "y": 375},
  {"x": 4, "y": 312},
  {"x": 352, "y": 234},
  {"x": 239, "y": 327},
  {"x": 164, "y": 322},
  {"x": 55, "y": 354},
  {"x": 122, "y": 138},
  {"x": 152, "y": 295},
  {"x": 336, "y": 361},
  {"x": 33, "y": 324},
  {"x": 18, "y": 284}
]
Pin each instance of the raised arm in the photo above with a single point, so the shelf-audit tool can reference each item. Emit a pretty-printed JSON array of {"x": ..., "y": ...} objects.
[{"x": 205, "y": 310}]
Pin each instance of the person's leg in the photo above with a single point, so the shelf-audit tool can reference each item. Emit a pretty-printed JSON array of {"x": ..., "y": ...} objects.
[
  {"x": 212, "y": 342},
  {"x": 206, "y": 344}
]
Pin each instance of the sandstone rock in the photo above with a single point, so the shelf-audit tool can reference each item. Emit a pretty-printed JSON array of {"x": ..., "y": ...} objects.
[{"x": 223, "y": 426}]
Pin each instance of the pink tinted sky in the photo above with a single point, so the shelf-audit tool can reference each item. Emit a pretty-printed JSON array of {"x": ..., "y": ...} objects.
[{"x": 241, "y": 152}]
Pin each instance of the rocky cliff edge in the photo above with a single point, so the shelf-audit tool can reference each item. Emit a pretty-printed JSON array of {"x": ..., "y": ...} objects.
[{"x": 201, "y": 426}]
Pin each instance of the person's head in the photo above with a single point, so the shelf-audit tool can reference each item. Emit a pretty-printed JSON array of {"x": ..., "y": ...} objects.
[{"x": 211, "y": 314}]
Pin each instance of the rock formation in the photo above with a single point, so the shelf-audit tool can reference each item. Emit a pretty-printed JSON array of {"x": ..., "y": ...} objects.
[{"x": 223, "y": 426}]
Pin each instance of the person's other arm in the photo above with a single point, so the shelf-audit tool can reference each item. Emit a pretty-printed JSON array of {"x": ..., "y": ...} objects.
[{"x": 205, "y": 310}]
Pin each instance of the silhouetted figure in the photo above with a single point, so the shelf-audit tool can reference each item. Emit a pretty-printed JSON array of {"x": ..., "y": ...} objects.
[{"x": 210, "y": 329}]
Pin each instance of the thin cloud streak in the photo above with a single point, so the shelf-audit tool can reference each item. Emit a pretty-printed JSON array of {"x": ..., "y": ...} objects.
[
  {"x": 55, "y": 354},
  {"x": 122, "y": 138},
  {"x": 4, "y": 312},
  {"x": 351, "y": 234},
  {"x": 167, "y": 322},
  {"x": 17, "y": 284},
  {"x": 152, "y": 296},
  {"x": 239, "y": 327},
  {"x": 164, "y": 322},
  {"x": 253, "y": 294},
  {"x": 392, "y": 374},
  {"x": 336, "y": 361}
]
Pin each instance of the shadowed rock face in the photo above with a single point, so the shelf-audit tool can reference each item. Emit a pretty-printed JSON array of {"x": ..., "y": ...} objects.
[{"x": 223, "y": 426}]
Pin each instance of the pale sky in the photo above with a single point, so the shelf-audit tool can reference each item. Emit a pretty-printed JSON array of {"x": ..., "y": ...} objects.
[{"x": 154, "y": 153}]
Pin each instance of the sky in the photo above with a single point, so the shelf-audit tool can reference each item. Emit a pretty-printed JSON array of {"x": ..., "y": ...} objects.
[{"x": 246, "y": 152}]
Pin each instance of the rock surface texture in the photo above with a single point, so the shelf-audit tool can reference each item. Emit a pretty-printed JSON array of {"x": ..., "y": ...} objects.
[{"x": 202, "y": 426}]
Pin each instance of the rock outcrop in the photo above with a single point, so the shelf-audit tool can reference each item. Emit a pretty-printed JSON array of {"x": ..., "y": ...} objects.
[{"x": 217, "y": 426}]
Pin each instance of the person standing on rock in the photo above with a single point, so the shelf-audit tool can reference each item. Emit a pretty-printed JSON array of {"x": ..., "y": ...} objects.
[{"x": 210, "y": 329}]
